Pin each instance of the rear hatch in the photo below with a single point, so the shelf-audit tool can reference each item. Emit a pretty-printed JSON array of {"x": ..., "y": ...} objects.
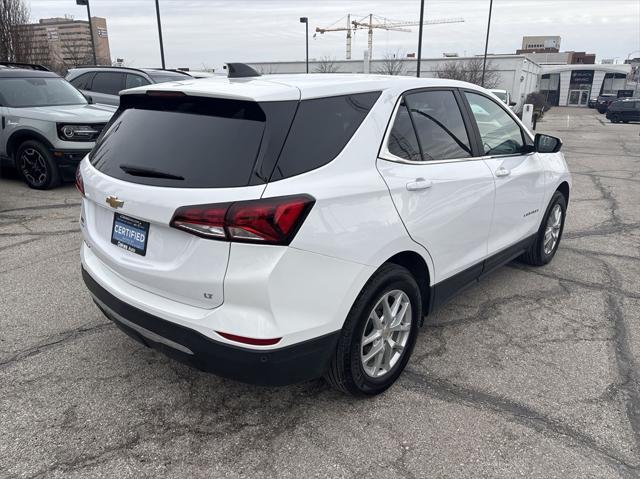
[{"x": 164, "y": 151}]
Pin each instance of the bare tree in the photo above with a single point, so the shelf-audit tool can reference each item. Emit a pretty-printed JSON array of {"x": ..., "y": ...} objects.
[
  {"x": 16, "y": 44},
  {"x": 326, "y": 65},
  {"x": 74, "y": 54},
  {"x": 391, "y": 64},
  {"x": 469, "y": 71}
]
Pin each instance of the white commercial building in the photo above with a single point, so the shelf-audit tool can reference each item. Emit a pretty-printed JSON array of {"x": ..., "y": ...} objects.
[
  {"x": 515, "y": 73},
  {"x": 574, "y": 85}
]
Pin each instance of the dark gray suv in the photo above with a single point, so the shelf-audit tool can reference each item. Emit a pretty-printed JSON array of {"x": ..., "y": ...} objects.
[{"x": 104, "y": 84}]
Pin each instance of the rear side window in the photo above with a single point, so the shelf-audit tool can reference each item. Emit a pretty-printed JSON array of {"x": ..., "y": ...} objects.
[
  {"x": 133, "y": 81},
  {"x": 108, "y": 82},
  {"x": 321, "y": 129},
  {"x": 439, "y": 125},
  {"x": 83, "y": 82},
  {"x": 190, "y": 142},
  {"x": 403, "y": 142}
]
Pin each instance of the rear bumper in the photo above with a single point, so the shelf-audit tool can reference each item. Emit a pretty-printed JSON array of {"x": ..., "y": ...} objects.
[{"x": 274, "y": 367}]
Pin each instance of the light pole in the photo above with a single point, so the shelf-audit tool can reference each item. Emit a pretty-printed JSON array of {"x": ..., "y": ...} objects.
[
  {"x": 305, "y": 20},
  {"x": 93, "y": 45},
  {"x": 486, "y": 44},
  {"x": 160, "y": 34},
  {"x": 420, "y": 37}
]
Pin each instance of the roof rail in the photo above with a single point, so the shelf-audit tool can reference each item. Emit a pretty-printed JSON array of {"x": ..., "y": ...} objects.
[
  {"x": 240, "y": 70},
  {"x": 26, "y": 66},
  {"x": 174, "y": 70},
  {"x": 108, "y": 66},
  {"x": 141, "y": 70}
]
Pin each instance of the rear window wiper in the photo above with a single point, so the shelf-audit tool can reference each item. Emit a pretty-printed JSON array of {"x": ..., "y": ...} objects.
[{"x": 148, "y": 172}]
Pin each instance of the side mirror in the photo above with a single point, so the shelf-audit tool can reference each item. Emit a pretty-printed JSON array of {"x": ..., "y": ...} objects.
[
  {"x": 547, "y": 143},
  {"x": 512, "y": 103},
  {"x": 89, "y": 99}
]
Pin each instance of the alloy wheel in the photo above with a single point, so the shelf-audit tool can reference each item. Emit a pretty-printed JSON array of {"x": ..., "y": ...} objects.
[
  {"x": 552, "y": 231},
  {"x": 386, "y": 333},
  {"x": 33, "y": 166}
]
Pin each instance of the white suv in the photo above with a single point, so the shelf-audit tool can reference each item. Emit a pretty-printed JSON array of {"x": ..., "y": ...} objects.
[{"x": 282, "y": 228}]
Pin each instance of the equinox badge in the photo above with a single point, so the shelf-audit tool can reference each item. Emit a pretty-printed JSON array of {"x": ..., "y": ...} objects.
[{"x": 114, "y": 202}]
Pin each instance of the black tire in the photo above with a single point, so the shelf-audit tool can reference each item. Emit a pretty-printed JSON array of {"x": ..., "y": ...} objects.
[
  {"x": 536, "y": 255},
  {"x": 625, "y": 121},
  {"x": 347, "y": 372},
  {"x": 36, "y": 166}
]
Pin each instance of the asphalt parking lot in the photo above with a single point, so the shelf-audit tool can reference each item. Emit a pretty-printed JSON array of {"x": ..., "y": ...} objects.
[{"x": 532, "y": 373}]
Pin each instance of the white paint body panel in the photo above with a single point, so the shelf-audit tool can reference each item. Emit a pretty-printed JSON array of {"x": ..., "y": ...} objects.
[
  {"x": 360, "y": 220},
  {"x": 518, "y": 205},
  {"x": 452, "y": 218}
]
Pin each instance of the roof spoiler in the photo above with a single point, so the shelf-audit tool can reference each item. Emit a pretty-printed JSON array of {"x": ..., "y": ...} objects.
[
  {"x": 240, "y": 70},
  {"x": 27, "y": 66}
]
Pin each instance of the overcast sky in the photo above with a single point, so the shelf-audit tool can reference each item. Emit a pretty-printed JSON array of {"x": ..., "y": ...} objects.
[{"x": 207, "y": 33}]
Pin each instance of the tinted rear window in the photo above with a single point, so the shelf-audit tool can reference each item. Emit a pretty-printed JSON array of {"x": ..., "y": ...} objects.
[
  {"x": 108, "y": 82},
  {"x": 195, "y": 142},
  {"x": 209, "y": 143},
  {"x": 166, "y": 76},
  {"x": 321, "y": 129}
]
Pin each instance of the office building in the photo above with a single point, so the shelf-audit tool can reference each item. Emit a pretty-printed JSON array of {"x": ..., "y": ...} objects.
[{"x": 62, "y": 42}]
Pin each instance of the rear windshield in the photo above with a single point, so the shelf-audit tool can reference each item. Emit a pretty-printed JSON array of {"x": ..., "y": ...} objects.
[
  {"x": 165, "y": 76},
  {"x": 182, "y": 142},
  {"x": 195, "y": 142}
]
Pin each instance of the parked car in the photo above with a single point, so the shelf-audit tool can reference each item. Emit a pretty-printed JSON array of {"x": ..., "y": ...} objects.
[
  {"x": 603, "y": 102},
  {"x": 104, "y": 84},
  {"x": 592, "y": 102},
  {"x": 203, "y": 74},
  {"x": 624, "y": 110},
  {"x": 504, "y": 96},
  {"x": 47, "y": 125},
  {"x": 311, "y": 221}
]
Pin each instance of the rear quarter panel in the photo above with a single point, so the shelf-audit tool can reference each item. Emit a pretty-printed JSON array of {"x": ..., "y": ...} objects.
[{"x": 354, "y": 218}]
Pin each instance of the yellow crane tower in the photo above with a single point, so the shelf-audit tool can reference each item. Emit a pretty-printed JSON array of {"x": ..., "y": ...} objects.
[{"x": 371, "y": 21}]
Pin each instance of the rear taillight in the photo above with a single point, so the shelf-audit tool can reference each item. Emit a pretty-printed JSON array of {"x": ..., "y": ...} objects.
[
  {"x": 267, "y": 221},
  {"x": 79, "y": 182}
]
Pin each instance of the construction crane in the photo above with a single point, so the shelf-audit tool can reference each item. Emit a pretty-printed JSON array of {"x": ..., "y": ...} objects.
[
  {"x": 398, "y": 26},
  {"x": 375, "y": 21},
  {"x": 346, "y": 28}
]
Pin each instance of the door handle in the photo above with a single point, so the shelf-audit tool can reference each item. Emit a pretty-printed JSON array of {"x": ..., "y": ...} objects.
[
  {"x": 419, "y": 184},
  {"x": 502, "y": 171}
]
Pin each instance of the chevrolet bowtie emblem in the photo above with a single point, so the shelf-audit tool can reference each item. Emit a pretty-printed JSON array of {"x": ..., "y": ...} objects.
[{"x": 114, "y": 202}]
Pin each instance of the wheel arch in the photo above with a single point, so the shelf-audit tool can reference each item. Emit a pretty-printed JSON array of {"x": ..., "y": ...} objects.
[
  {"x": 564, "y": 189},
  {"x": 419, "y": 269},
  {"x": 20, "y": 136}
]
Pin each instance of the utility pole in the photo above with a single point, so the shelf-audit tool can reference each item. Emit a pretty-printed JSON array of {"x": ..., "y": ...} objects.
[
  {"x": 420, "y": 37},
  {"x": 160, "y": 34},
  {"x": 486, "y": 44},
  {"x": 305, "y": 20},
  {"x": 93, "y": 45}
]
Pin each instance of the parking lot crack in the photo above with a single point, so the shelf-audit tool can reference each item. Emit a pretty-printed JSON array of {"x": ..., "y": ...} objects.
[
  {"x": 451, "y": 392},
  {"x": 54, "y": 341}
]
